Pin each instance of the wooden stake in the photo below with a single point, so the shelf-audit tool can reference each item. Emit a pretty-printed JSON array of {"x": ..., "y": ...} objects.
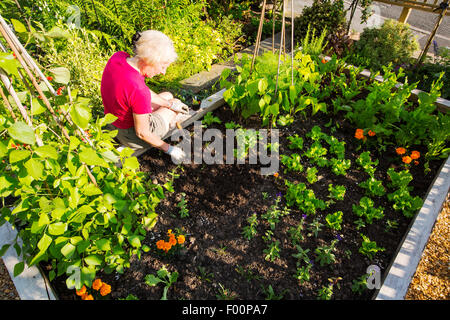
[{"x": 258, "y": 37}]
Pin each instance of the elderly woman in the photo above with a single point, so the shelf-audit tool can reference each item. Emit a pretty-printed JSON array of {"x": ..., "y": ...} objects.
[{"x": 143, "y": 116}]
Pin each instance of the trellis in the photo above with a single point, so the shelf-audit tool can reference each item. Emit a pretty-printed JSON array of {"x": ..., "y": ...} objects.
[{"x": 30, "y": 67}]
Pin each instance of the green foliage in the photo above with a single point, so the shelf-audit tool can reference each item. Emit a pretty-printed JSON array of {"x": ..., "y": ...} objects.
[
  {"x": 292, "y": 162},
  {"x": 373, "y": 187},
  {"x": 321, "y": 15},
  {"x": 405, "y": 202},
  {"x": 340, "y": 166},
  {"x": 250, "y": 231},
  {"x": 312, "y": 44},
  {"x": 253, "y": 90},
  {"x": 334, "y": 220},
  {"x": 325, "y": 254},
  {"x": 365, "y": 162},
  {"x": 295, "y": 142},
  {"x": 273, "y": 214},
  {"x": 369, "y": 248},
  {"x": 311, "y": 175},
  {"x": 366, "y": 209},
  {"x": 182, "y": 205},
  {"x": 393, "y": 42},
  {"x": 162, "y": 276},
  {"x": 73, "y": 206},
  {"x": 272, "y": 251},
  {"x": 316, "y": 153},
  {"x": 209, "y": 119},
  {"x": 297, "y": 194},
  {"x": 337, "y": 192}
]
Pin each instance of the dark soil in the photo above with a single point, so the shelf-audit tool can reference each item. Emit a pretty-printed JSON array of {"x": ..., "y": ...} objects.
[{"x": 221, "y": 197}]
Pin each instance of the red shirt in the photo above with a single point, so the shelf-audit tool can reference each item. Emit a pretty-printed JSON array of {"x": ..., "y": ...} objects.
[{"x": 124, "y": 91}]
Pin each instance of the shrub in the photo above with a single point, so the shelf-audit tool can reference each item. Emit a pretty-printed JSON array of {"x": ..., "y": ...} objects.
[
  {"x": 323, "y": 14},
  {"x": 393, "y": 42}
]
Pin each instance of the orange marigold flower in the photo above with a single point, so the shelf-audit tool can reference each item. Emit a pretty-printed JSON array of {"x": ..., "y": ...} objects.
[
  {"x": 371, "y": 133},
  {"x": 415, "y": 154},
  {"x": 173, "y": 241},
  {"x": 181, "y": 239},
  {"x": 167, "y": 246},
  {"x": 160, "y": 244},
  {"x": 87, "y": 297},
  {"x": 359, "y": 134},
  {"x": 169, "y": 232},
  {"x": 324, "y": 61},
  {"x": 276, "y": 174},
  {"x": 49, "y": 78},
  {"x": 416, "y": 162},
  {"x": 400, "y": 150},
  {"x": 97, "y": 284},
  {"x": 406, "y": 159},
  {"x": 105, "y": 289},
  {"x": 81, "y": 292}
]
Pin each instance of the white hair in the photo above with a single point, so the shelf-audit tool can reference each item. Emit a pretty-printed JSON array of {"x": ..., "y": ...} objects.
[{"x": 154, "y": 47}]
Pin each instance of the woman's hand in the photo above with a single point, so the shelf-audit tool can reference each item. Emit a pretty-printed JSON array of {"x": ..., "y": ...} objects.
[{"x": 178, "y": 106}]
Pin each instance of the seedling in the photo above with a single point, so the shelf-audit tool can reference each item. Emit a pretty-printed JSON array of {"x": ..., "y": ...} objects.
[
  {"x": 271, "y": 295},
  {"x": 311, "y": 175},
  {"x": 325, "y": 254},
  {"x": 250, "y": 231},
  {"x": 162, "y": 276},
  {"x": 184, "y": 211},
  {"x": 369, "y": 248}
]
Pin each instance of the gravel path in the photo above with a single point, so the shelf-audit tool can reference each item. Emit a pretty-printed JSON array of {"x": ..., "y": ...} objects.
[
  {"x": 7, "y": 289},
  {"x": 432, "y": 278}
]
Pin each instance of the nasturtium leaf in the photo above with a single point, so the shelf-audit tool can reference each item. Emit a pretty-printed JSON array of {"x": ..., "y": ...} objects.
[
  {"x": 107, "y": 119},
  {"x": 47, "y": 151},
  {"x": 262, "y": 85},
  {"x": 35, "y": 168},
  {"x": 22, "y": 132},
  {"x": 60, "y": 75},
  {"x": 18, "y": 155},
  {"x": 43, "y": 220}
]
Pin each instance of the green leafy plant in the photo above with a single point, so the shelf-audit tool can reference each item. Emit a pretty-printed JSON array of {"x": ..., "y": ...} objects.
[
  {"x": 301, "y": 255},
  {"x": 340, "y": 166},
  {"x": 359, "y": 285},
  {"x": 272, "y": 251},
  {"x": 364, "y": 160},
  {"x": 249, "y": 231},
  {"x": 334, "y": 220},
  {"x": 302, "y": 273},
  {"x": 314, "y": 227},
  {"x": 303, "y": 198},
  {"x": 296, "y": 233},
  {"x": 366, "y": 209},
  {"x": 271, "y": 295},
  {"x": 316, "y": 153},
  {"x": 392, "y": 42},
  {"x": 162, "y": 276},
  {"x": 369, "y": 248},
  {"x": 182, "y": 205},
  {"x": 225, "y": 294},
  {"x": 336, "y": 192},
  {"x": 325, "y": 254},
  {"x": 209, "y": 119},
  {"x": 292, "y": 162},
  {"x": 322, "y": 14},
  {"x": 373, "y": 187},
  {"x": 295, "y": 142},
  {"x": 311, "y": 175},
  {"x": 405, "y": 202}
]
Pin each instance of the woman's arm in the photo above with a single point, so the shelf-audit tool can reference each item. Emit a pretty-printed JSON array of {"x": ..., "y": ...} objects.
[
  {"x": 142, "y": 128},
  {"x": 158, "y": 101}
]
